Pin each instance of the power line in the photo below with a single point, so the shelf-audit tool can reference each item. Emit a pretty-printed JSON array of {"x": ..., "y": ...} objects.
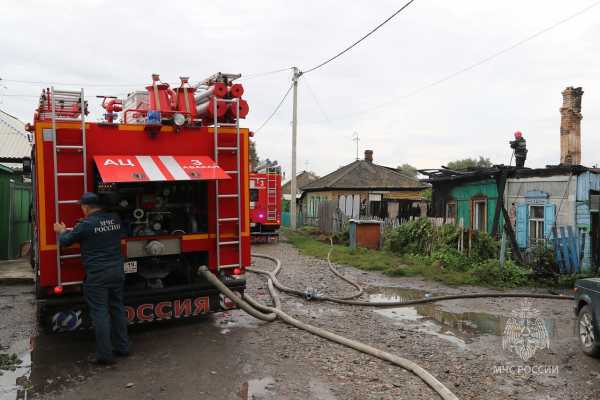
[
  {"x": 27, "y": 82},
  {"x": 108, "y": 85},
  {"x": 20, "y": 95},
  {"x": 475, "y": 64},
  {"x": 502, "y": 51},
  {"x": 267, "y": 73},
  {"x": 317, "y": 102},
  {"x": 275, "y": 110},
  {"x": 360, "y": 40}
]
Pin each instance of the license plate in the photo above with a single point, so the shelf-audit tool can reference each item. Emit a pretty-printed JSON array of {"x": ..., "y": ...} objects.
[{"x": 130, "y": 267}]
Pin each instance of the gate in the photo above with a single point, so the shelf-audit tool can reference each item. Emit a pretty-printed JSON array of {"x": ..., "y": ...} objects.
[{"x": 17, "y": 202}]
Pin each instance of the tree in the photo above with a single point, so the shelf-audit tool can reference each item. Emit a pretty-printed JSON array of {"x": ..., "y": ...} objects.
[
  {"x": 469, "y": 163},
  {"x": 254, "y": 160},
  {"x": 408, "y": 169}
]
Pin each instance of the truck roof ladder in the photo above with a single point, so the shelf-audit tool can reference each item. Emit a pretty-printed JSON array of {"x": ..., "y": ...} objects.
[
  {"x": 272, "y": 190},
  {"x": 221, "y": 196},
  {"x": 68, "y": 99}
]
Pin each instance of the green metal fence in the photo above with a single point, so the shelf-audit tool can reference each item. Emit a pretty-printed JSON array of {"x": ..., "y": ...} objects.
[{"x": 15, "y": 201}]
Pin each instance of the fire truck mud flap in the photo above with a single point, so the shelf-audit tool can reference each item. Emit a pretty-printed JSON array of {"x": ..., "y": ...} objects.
[{"x": 70, "y": 314}]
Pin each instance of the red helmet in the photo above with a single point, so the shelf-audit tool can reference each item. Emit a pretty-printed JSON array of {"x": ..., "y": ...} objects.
[{"x": 518, "y": 135}]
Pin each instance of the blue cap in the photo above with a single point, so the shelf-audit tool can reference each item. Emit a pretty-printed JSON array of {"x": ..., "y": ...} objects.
[{"x": 89, "y": 198}]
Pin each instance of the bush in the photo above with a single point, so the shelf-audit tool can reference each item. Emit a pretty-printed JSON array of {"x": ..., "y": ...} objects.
[
  {"x": 483, "y": 246},
  {"x": 450, "y": 258},
  {"x": 411, "y": 237},
  {"x": 342, "y": 237},
  {"x": 489, "y": 273},
  {"x": 447, "y": 236},
  {"x": 543, "y": 261}
]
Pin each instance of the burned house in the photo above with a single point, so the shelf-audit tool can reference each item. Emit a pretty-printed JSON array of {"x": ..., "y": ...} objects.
[{"x": 558, "y": 205}]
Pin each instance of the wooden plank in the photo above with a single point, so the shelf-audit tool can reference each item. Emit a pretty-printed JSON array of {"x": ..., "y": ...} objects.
[
  {"x": 565, "y": 250},
  {"x": 582, "y": 249},
  {"x": 573, "y": 249},
  {"x": 558, "y": 257},
  {"x": 511, "y": 235},
  {"x": 501, "y": 183}
]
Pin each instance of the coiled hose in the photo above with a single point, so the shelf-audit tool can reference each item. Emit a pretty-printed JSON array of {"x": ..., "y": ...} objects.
[
  {"x": 349, "y": 300},
  {"x": 270, "y": 314},
  {"x": 267, "y": 313}
]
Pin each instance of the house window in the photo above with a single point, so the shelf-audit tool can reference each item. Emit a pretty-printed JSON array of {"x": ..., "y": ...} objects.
[
  {"x": 479, "y": 215},
  {"x": 375, "y": 205},
  {"x": 451, "y": 210},
  {"x": 536, "y": 225},
  {"x": 349, "y": 205}
]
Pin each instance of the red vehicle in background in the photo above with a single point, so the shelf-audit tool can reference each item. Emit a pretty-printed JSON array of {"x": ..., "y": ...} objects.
[
  {"x": 265, "y": 203},
  {"x": 173, "y": 164}
]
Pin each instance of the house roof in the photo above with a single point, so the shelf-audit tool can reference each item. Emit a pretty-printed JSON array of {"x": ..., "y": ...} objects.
[
  {"x": 302, "y": 179},
  {"x": 364, "y": 175},
  {"x": 14, "y": 139},
  {"x": 470, "y": 174}
]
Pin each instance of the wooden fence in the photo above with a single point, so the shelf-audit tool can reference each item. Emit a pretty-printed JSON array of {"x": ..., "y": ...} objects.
[{"x": 330, "y": 219}]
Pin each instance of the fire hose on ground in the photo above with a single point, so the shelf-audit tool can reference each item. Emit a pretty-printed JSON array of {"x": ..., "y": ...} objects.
[
  {"x": 405, "y": 303},
  {"x": 266, "y": 313}
]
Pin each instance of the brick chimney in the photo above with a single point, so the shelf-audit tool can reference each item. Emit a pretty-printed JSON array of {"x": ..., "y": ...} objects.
[
  {"x": 570, "y": 126},
  {"x": 369, "y": 156}
]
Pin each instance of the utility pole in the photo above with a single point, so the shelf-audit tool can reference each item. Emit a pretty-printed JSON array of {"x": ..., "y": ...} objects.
[{"x": 293, "y": 189}]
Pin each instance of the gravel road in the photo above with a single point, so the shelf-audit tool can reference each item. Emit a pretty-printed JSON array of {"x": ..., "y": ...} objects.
[{"x": 232, "y": 356}]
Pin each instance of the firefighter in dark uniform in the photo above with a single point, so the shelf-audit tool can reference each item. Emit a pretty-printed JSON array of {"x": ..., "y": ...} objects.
[
  {"x": 99, "y": 235},
  {"x": 519, "y": 146}
]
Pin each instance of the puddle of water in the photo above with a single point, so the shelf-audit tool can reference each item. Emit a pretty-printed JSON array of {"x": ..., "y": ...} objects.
[
  {"x": 13, "y": 384},
  {"x": 47, "y": 363},
  {"x": 455, "y": 327},
  {"x": 256, "y": 389},
  {"x": 234, "y": 319}
]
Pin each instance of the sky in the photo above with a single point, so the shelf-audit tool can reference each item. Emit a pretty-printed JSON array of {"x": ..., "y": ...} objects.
[{"x": 111, "y": 48}]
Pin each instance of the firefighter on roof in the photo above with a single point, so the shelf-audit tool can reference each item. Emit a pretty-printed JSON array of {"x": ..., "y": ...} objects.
[
  {"x": 519, "y": 146},
  {"x": 99, "y": 235}
]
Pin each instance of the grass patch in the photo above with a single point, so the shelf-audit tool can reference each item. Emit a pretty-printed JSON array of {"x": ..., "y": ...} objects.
[
  {"x": 308, "y": 243},
  {"x": 448, "y": 268}
]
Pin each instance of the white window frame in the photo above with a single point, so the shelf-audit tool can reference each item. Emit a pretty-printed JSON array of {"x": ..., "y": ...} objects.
[
  {"x": 476, "y": 221},
  {"x": 448, "y": 204},
  {"x": 536, "y": 235}
]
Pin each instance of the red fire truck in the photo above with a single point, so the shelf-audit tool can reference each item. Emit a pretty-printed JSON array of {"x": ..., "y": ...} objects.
[
  {"x": 173, "y": 163},
  {"x": 265, "y": 203}
]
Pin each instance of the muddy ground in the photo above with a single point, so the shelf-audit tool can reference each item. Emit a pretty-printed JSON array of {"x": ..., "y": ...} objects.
[{"x": 233, "y": 356}]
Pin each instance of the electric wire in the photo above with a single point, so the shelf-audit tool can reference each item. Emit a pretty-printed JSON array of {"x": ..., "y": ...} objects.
[
  {"x": 108, "y": 85},
  {"x": 28, "y": 82},
  {"x": 262, "y": 74},
  {"x": 372, "y": 31},
  {"x": 316, "y": 100},
  {"x": 275, "y": 110},
  {"x": 472, "y": 66}
]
